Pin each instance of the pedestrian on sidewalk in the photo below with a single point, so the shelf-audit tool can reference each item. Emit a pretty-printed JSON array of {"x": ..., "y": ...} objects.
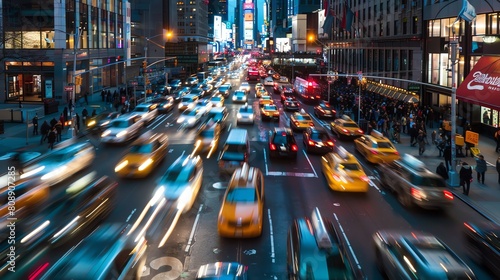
[
  {"x": 77, "y": 118},
  {"x": 413, "y": 135},
  {"x": 45, "y": 131},
  {"x": 497, "y": 140},
  {"x": 35, "y": 124},
  {"x": 447, "y": 156},
  {"x": 465, "y": 177},
  {"x": 59, "y": 129},
  {"x": 86, "y": 97},
  {"x": 52, "y": 138},
  {"x": 421, "y": 142},
  {"x": 498, "y": 168},
  {"x": 85, "y": 114},
  {"x": 480, "y": 168},
  {"x": 441, "y": 171}
]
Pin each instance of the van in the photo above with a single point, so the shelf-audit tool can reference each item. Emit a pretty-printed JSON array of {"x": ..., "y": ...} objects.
[{"x": 235, "y": 152}]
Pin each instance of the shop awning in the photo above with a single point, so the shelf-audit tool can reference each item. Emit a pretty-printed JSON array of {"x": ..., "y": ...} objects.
[
  {"x": 394, "y": 94},
  {"x": 482, "y": 85}
]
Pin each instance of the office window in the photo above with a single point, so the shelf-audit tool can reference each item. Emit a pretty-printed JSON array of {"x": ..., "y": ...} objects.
[
  {"x": 396, "y": 27},
  {"x": 414, "y": 28}
]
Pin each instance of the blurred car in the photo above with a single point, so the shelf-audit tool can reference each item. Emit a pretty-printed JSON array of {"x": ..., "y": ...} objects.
[
  {"x": 182, "y": 182},
  {"x": 261, "y": 92},
  {"x": 291, "y": 104},
  {"x": 235, "y": 152},
  {"x": 234, "y": 75},
  {"x": 242, "y": 210},
  {"x": 276, "y": 76},
  {"x": 61, "y": 163},
  {"x": 175, "y": 84},
  {"x": 245, "y": 115},
  {"x": 224, "y": 90},
  {"x": 147, "y": 111},
  {"x": 376, "y": 148},
  {"x": 222, "y": 270},
  {"x": 108, "y": 253},
  {"x": 245, "y": 86},
  {"x": 269, "y": 81},
  {"x": 218, "y": 115},
  {"x": 217, "y": 100},
  {"x": 317, "y": 140},
  {"x": 166, "y": 106},
  {"x": 316, "y": 250},
  {"x": 300, "y": 120},
  {"x": 282, "y": 143},
  {"x": 239, "y": 96},
  {"x": 123, "y": 129},
  {"x": 483, "y": 243},
  {"x": 323, "y": 110},
  {"x": 200, "y": 92},
  {"x": 207, "y": 138},
  {"x": 188, "y": 101},
  {"x": 283, "y": 79},
  {"x": 269, "y": 112},
  {"x": 192, "y": 81},
  {"x": 101, "y": 122},
  {"x": 259, "y": 86},
  {"x": 209, "y": 80},
  {"x": 208, "y": 89},
  {"x": 414, "y": 255},
  {"x": 190, "y": 118},
  {"x": 29, "y": 195},
  {"x": 204, "y": 106},
  {"x": 343, "y": 172},
  {"x": 414, "y": 184},
  {"x": 219, "y": 82},
  {"x": 283, "y": 89},
  {"x": 345, "y": 127},
  {"x": 180, "y": 92},
  {"x": 266, "y": 100},
  {"x": 143, "y": 156}
]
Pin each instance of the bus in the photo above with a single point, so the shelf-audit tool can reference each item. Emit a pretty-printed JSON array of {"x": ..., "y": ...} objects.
[
  {"x": 215, "y": 64},
  {"x": 253, "y": 75},
  {"x": 308, "y": 90}
]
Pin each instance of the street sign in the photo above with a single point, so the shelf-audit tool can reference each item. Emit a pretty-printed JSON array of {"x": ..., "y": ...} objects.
[{"x": 68, "y": 88}]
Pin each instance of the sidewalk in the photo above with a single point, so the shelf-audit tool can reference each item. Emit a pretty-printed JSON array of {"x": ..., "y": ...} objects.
[
  {"x": 483, "y": 198},
  {"x": 20, "y": 135}
]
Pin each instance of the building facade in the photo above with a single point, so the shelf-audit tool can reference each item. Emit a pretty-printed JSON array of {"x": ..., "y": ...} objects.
[{"x": 45, "y": 45}]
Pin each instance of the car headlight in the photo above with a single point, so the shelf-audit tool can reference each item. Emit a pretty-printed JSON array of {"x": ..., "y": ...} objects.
[
  {"x": 55, "y": 173},
  {"x": 238, "y": 116},
  {"x": 104, "y": 123},
  {"x": 180, "y": 105},
  {"x": 121, "y": 133},
  {"x": 91, "y": 123},
  {"x": 180, "y": 120},
  {"x": 234, "y": 98},
  {"x": 244, "y": 98},
  {"x": 165, "y": 105},
  {"x": 106, "y": 133},
  {"x": 145, "y": 164},
  {"x": 251, "y": 116},
  {"x": 121, "y": 165},
  {"x": 184, "y": 198},
  {"x": 191, "y": 121}
]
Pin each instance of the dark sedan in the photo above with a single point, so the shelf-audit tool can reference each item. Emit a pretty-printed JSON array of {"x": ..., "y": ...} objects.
[
  {"x": 483, "y": 240},
  {"x": 318, "y": 141},
  {"x": 282, "y": 143},
  {"x": 100, "y": 122},
  {"x": 323, "y": 110},
  {"x": 166, "y": 106},
  {"x": 291, "y": 104}
]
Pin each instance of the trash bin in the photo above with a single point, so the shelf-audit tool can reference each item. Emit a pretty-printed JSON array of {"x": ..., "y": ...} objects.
[{"x": 2, "y": 128}]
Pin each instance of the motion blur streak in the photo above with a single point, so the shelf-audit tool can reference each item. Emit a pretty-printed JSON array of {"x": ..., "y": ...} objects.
[
  {"x": 171, "y": 228},
  {"x": 347, "y": 240},
  {"x": 38, "y": 271}
]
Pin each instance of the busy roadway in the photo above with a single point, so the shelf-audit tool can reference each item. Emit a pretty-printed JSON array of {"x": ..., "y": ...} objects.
[{"x": 292, "y": 190}]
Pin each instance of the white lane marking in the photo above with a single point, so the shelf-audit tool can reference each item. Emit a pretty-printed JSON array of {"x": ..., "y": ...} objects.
[
  {"x": 348, "y": 243},
  {"x": 161, "y": 121},
  {"x": 315, "y": 174},
  {"x": 229, "y": 127},
  {"x": 291, "y": 174},
  {"x": 155, "y": 120},
  {"x": 265, "y": 162},
  {"x": 193, "y": 229},
  {"x": 130, "y": 216},
  {"x": 271, "y": 234}
]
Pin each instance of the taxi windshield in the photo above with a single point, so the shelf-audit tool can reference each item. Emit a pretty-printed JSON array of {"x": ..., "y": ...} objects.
[
  {"x": 142, "y": 148},
  {"x": 241, "y": 195},
  {"x": 207, "y": 133},
  {"x": 119, "y": 124},
  {"x": 302, "y": 118},
  {"x": 385, "y": 145},
  {"x": 350, "y": 166},
  {"x": 320, "y": 136},
  {"x": 350, "y": 125}
]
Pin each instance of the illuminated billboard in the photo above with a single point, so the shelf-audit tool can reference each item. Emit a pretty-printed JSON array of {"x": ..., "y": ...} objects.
[
  {"x": 248, "y": 17},
  {"x": 248, "y": 6},
  {"x": 248, "y": 25}
]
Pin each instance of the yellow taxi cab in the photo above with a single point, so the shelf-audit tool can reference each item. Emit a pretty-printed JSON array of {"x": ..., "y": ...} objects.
[
  {"x": 259, "y": 86},
  {"x": 266, "y": 100},
  {"x": 269, "y": 112},
  {"x": 145, "y": 153},
  {"x": 345, "y": 127},
  {"x": 343, "y": 172},
  {"x": 261, "y": 92},
  {"x": 376, "y": 148},
  {"x": 28, "y": 195},
  {"x": 242, "y": 210},
  {"x": 301, "y": 120}
]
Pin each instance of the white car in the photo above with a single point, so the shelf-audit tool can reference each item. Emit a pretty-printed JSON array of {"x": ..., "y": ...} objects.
[
  {"x": 61, "y": 163},
  {"x": 245, "y": 86},
  {"x": 122, "y": 129},
  {"x": 245, "y": 115},
  {"x": 269, "y": 81},
  {"x": 190, "y": 118},
  {"x": 239, "y": 96},
  {"x": 188, "y": 102},
  {"x": 147, "y": 111}
]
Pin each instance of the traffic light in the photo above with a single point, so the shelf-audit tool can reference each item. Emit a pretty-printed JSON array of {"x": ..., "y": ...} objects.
[
  {"x": 144, "y": 64},
  {"x": 78, "y": 80}
]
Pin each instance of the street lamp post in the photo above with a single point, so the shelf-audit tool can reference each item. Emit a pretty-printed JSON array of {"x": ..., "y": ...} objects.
[
  {"x": 453, "y": 175},
  {"x": 76, "y": 41},
  {"x": 147, "y": 90}
]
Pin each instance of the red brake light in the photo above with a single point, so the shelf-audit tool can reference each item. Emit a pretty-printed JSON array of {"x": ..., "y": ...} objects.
[
  {"x": 296, "y": 122},
  {"x": 361, "y": 131},
  {"x": 373, "y": 152},
  {"x": 311, "y": 143},
  {"x": 416, "y": 193},
  {"x": 365, "y": 178},
  {"x": 321, "y": 110},
  {"x": 272, "y": 147},
  {"x": 345, "y": 130},
  {"x": 295, "y": 148},
  {"x": 448, "y": 194},
  {"x": 327, "y": 105},
  {"x": 311, "y": 124}
]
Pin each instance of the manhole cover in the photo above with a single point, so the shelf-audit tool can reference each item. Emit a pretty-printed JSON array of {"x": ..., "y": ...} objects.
[{"x": 218, "y": 185}]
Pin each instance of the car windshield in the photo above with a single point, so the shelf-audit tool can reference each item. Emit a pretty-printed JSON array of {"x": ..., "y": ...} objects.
[
  {"x": 119, "y": 124},
  {"x": 271, "y": 108},
  {"x": 215, "y": 115},
  {"x": 216, "y": 99},
  {"x": 282, "y": 138},
  {"x": 302, "y": 118},
  {"x": 187, "y": 99},
  {"x": 141, "y": 109},
  {"x": 350, "y": 166},
  {"x": 385, "y": 145},
  {"x": 176, "y": 174},
  {"x": 320, "y": 136},
  {"x": 142, "y": 148},
  {"x": 241, "y": 195},
  {"x": 224, "y": 88},
  {"x": 353, "y": 125},
  {"x": 209, "y": 133},
  {"x": 232, "y": 148},
  {"x": 433, "y": 182},
  {"x": 246, "y": 110},
  {"x": 189, "y": 113},
  {"x": 239, "y": 93}
]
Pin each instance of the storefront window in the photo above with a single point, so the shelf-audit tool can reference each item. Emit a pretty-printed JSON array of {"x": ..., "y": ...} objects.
[
  {"x": 486, "y": 115},
  {"x": 479, "y": 25}
]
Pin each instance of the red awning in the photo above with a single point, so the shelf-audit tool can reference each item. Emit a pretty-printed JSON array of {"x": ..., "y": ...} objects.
[{"x": 482, "y": 85}]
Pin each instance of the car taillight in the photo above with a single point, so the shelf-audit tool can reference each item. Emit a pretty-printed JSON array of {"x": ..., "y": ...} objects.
[
  {"x": 296, "y": 123},
  {"x": 448, "y": 194},
  {"x": 396, "y": 152},
  {"x": 417, "y": 194},
  {"x": 311, "y": 124},
  {"x": 361, "y": 131},
  {"x": 321, "y": 110},
  {"x": 311, "y": 143},
  {"x": 38, "y": 271},
  {"x": 295, "y": 148},
  {"x": 365, "y": 178},
  {"x": 336, "y": 177},
  {"x": 272, "y": 147},
  {"x": 330, "y": 143},
  {"x": 345, "y": 130},
  {"x": 374, "y": 152},
  {"x": 317, "y": 96}
]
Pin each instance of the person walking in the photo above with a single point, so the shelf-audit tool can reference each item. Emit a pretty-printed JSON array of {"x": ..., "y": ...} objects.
[
  {"x": 480, "y": 168},
  {"x": 58, "y": 127},
  {"x": 35, "y": 124},
  {"x": 44, "y": 131},
  {"x": 441, "y": 171},
  {"x": 85, "y": 114},
  {"x": 498, "y": 169},
  {"x": 77, "y": 117},
  {"x": 447, "y": 156},
  {"x": 86, "y": 98},
  {"x": 421, "y": 142},
  {"x": 52, "y": 138},
  {"x": 465, "y": 177}
]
